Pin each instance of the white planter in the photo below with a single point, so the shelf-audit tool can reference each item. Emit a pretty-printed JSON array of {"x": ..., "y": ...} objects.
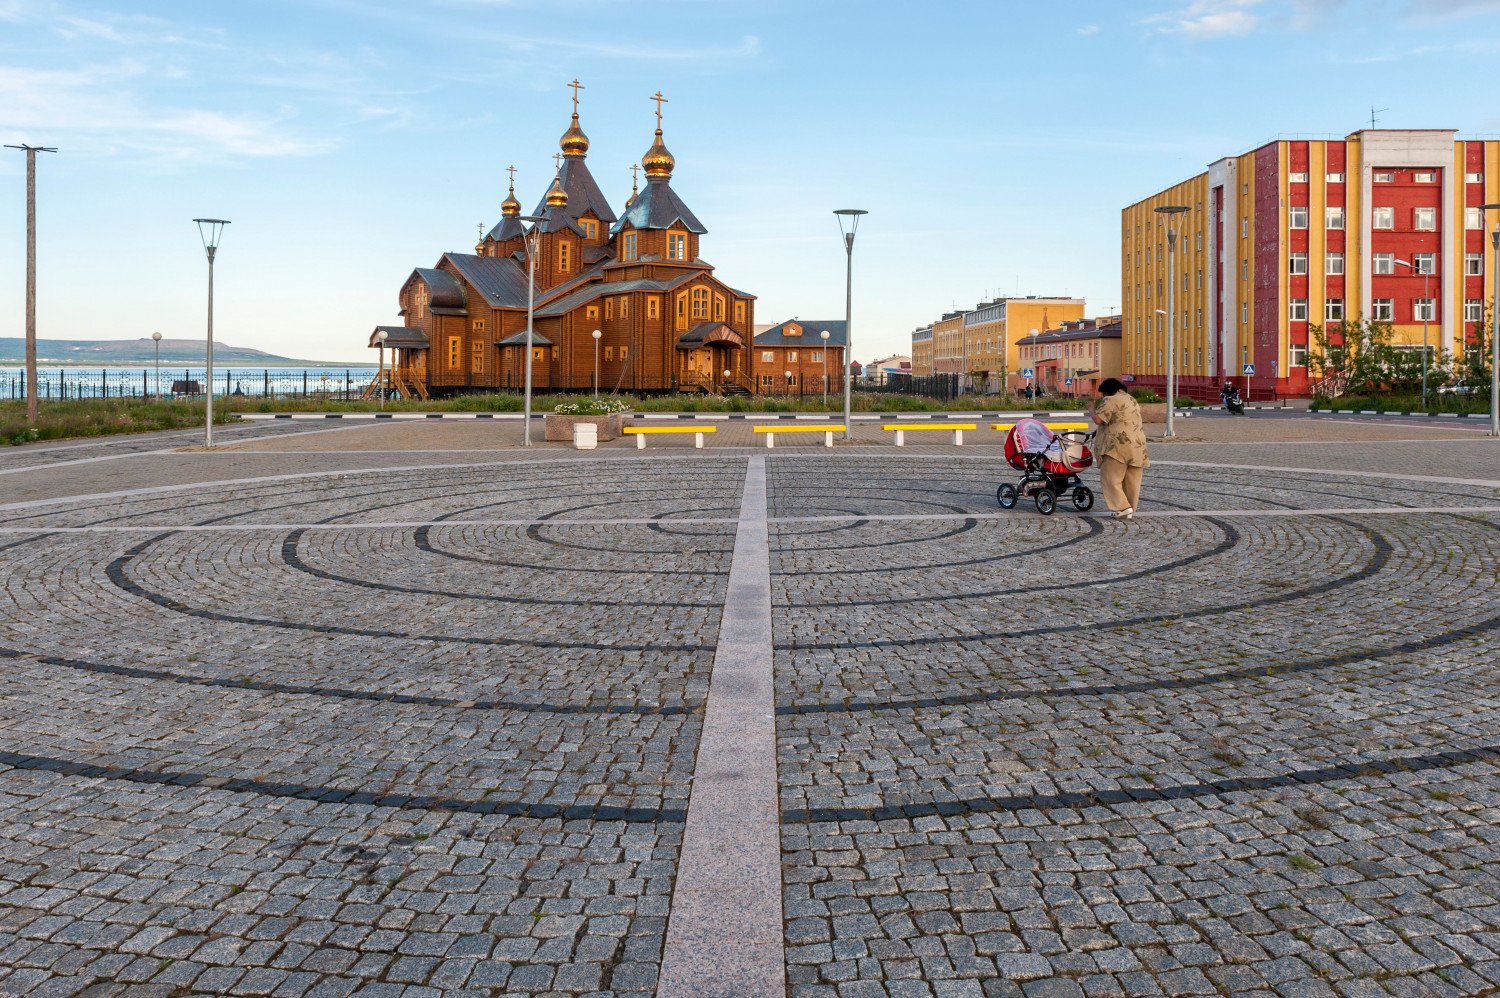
[{"x": 585, "y": 436}]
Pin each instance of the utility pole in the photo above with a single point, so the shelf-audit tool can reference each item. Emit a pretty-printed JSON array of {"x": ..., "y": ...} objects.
[{"x": 31, "y": 381}]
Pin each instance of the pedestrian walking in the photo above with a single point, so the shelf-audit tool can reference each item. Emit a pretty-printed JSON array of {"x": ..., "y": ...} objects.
[{"x": 1121, "y": 447}]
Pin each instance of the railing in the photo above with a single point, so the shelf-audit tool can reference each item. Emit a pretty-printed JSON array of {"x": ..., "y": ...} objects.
[
  {"x": 1331, "y": 387},
  {"x": 100, "y": 383}
]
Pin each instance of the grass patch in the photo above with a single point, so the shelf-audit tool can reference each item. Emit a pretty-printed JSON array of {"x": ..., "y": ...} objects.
[
  {"x": 100, "y": 417},
  {"x": 1475, "y": 404}
]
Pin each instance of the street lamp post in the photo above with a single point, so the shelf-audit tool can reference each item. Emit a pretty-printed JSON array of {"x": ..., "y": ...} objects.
[
  {"x": 848, "y": 225},
  {"x": 210, "y": 230},
  {"x": 789, "y": 383},
  {"x": 380, "y": 338},
  {"x": 1171, "y": 211},
  {"x": 1426, "y": 318},
  {"x": 824, "y": 337},
  {"x": 533, "y": 241},
  {"x": 156, "y": 338},
  {"x": 596, "y": 334},
  {"x": 1494, "y": 333},
  {"x": 31, "y": 377}
]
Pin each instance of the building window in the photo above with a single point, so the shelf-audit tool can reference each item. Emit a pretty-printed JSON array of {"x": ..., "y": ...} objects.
[
  {"x": 539, "y": 353},
  {"x": 1297, "y": 263},
  {"x": 700, "y": 303},
  {"x": 1244, "y": 312},
  {"x": 817, "y": 356},
  {"x": 609, "y": 353},
  {"x": 1424, "y": 263},
  {"x": 791, "y": 356},
  {"x": 1473, "y": 178},
  {"x": 455, "y": 355},
  {"x": 590, "y": 228},
  {"x": 676, "y": 246},
  {"x": 1297, "y": 178},
  {"x": 1333, "y": 310},
  {"x": 768, "y": 380},
  {"x": 1424, "y": 178},
  {"x": 478, "y": 325},
  {"x": 1298, "y": 355},
  {"x": 1384, "y": 178},
  {"x": 1383, "y": 309},
  {"x": 1385, "y": 263},
  {"x": 1473, "y": 264},
  {"x": 1333, "y": 263},
  {"x": 718, "y": 308},
  {"x": 1244, "y": 270},
  {"x": 564, "y": 257},
  {"x": 1424, "y": 219},
  {"x": 609, "y": 308},
  {"x": 653, "y": 307},
  {"x": 1245, "y": 228},
  {"x": 1473, "y": 218},
  {"x": 1383, "y": 218},
  {"x": 739, "y": 313},
  {"x": 1333, "y": 218},
  {"x": 592, "y": 312},
  {"x": 767, "y": 356},
  {"x": 555, "y": 353},
  {"x": 1334, "y": 178},
  {"x": 628, "y": 251},
  {"x": 624, "y": 353},
  {"x": 1297, "y": 310},
  {"x": 477, "y": 355},
  {"x": 1473, "y": 310},
  {"x": 1296, "y": 217},
  {"x": 1424, "y": 309}
]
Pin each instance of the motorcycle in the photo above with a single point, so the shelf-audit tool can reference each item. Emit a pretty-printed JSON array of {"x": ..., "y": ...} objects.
[{"x": 1232, "y": 401}]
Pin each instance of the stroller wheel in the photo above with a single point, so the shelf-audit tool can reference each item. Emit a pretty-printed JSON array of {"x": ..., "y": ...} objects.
[
  {"x": 1083, "y": 498},
  {"x": 1046, "y": 501},
  {"x": 1005, "y": 495}
]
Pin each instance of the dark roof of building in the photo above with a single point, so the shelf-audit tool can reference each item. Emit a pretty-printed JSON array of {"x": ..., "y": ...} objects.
[
  {"x": 509, "y": 227},
  {"x": 1084, "y": 330},
  {"x": 442, "y": 288},
  {"x": 583, "y": 193},
  {"x": 519, "y": 340},
  {"x": 406, "y": 337},
  {"x": 583, "y": 296},
  {"x": 658, "y": 207},
  {"x": 776, "y": 335},
  {"x": 499, "y": 279},
  {"x": 702, "y": 333}
]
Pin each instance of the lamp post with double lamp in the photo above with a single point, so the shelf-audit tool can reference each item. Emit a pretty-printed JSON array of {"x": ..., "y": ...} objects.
[
  {"x": 1494, "y": 333},
  {"x": 596, "y": 334},
  {"x": 156, "y": 338},
  {"x": 380, "y": 338},
  {"x": 533, "y": 241},
  {"x": 210, "y": 230},
  {"x": 1426, "y": 317},
  {"x": 824, "y": 337},
  {"x": 848, "y": 225},
  {"x": 1171, "y": 211}
]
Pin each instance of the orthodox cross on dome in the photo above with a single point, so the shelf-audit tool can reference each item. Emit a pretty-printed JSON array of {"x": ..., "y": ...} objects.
[
  {"x": 557, "y": 159},
  {"x": 575, "y": 86},
  {"x": 635, "y": 170},
  {"x": 512, "y": 171},
  {"x": 481, "y": 232},
  {"x": 660, "y": 100}
]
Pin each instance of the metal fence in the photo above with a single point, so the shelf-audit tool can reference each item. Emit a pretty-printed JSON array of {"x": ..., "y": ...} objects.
[
  {"x": 178, "y": 382},
  {"x": 938, "y": 386}
]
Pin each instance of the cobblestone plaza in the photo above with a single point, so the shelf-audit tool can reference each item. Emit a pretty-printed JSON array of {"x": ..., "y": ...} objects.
[{"x": 377, "y": 710}]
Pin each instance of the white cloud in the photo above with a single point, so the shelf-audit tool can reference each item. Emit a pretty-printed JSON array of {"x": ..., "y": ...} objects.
[
  {"x": 1089, "y": 29},
  {"x": 1202, "y": 20}
]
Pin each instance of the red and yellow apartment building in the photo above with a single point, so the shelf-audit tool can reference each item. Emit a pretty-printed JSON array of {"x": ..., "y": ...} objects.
[
  {"x": 1309, "y": 232},
  {"x": 983, "y": 343}
]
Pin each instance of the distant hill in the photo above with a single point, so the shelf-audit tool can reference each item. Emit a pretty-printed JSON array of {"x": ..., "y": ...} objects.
[{"x": 96, "y": 353}]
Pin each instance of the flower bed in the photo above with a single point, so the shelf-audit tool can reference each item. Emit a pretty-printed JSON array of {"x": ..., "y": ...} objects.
[{"x": 608, "y": 414}]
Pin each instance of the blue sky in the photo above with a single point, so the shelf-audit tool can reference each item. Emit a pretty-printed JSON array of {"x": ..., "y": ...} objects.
[{"x": 349, "y": 141}]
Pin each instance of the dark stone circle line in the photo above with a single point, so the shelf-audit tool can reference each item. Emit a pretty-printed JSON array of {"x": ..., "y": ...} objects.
[
  {"x": 339, "y": 796},
  {"x": 1149, "y": 795},
  {"x": 334, "y": 692},
  {"x": 782, "y": 533},
  {"x": 1374, "y": 566},
  {"x": 422, "y": 539},
  {"x": 291, "y": 556},
  {"x": 1482, "y": 628},
  {"x": 1231, "y": 537},
  {"x": 118, "y": 577}
]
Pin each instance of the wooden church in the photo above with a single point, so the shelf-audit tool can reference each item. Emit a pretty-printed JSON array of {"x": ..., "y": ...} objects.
[{"x": 665, "y": 322}]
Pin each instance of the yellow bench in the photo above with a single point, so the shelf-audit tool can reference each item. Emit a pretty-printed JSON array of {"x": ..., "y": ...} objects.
[
  {"x": 1055, "y": 427},
  {"x": 903, "y": 428},
  {"x": 639, "y": 432},
  {"x": 827, "y": 429}
]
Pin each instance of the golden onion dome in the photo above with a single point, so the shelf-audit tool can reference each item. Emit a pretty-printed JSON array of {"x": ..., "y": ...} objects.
[
  {"x": 556, "y": 196},
  {"x": 657, "y": 161},
  {"x": 574, "y": 142},
  {"x": 510, "y": 207}
]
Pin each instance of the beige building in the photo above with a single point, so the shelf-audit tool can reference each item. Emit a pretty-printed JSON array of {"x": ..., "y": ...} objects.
[
  {"x": 983, "y": 342},
  {"x": 1073, "y": 358},
  {"x": 921, "y": 352}
]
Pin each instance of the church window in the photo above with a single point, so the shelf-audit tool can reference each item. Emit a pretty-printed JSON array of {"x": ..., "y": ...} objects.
[
  {"x": 563, "y": 257},
  {"x": 629, "y": 251},
  {"x": 676, "y": 246},
  {"x": 592, "y": 312},
  {"x": 700, "y": 303},
  {"x": 718, "y": 308},
  {"x": 455, "y": 346},
  {"x": 653, "y": 307},
  {"x": 682, "y": 319},
  {"x": 554, "y": 353},
  {"x": 478, "y": 325},
  {"x": 624, "y": 307},
  {"x": 478, "y": 357},
  {"x": 590, "y": 227},
  {"x": 624, "y": 353},
  {"x": 609, "y": 308},
  {"x": 609, "y": 353},
  {"x": 739, "y": 313},
  {"x": 538, "y": 353}
]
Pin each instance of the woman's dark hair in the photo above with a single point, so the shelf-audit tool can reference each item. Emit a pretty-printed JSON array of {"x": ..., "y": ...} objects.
[{"x": 1110, "y": 385}]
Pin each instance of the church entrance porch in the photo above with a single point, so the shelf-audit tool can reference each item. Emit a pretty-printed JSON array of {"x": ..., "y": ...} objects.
[{"x": 711, "y": 359}]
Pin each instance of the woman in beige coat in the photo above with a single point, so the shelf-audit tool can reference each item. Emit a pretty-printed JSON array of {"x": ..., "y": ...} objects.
[{"x": 1120, "y": 446}]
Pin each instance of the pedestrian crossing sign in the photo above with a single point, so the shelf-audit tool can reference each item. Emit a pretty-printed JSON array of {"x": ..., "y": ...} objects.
[{"x": 1249, "y": 370}]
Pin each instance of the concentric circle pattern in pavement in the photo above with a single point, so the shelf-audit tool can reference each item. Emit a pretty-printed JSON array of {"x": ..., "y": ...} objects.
[{"x": 433, "y": 730}]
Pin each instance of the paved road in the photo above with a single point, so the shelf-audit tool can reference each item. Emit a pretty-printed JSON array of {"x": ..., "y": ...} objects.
[{"x": 396, "y": 722}]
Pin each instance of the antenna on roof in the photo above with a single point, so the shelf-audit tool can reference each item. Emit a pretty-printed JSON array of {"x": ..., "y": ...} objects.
[{"x": 1374, "y": 111}]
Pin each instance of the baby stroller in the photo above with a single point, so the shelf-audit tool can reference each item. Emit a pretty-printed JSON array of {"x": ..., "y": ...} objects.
[{"x": 1051, "y": 462}]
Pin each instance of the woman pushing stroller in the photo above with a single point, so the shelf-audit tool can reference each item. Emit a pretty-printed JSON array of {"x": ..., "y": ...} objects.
[{"x": 1120, "y": 446}]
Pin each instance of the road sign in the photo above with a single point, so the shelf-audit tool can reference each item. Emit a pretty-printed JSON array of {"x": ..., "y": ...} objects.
[
  {"x": 1026, "y": 372},
  {"x": 1249, "y": 370},
  {"x": 1067, "y": 382}
]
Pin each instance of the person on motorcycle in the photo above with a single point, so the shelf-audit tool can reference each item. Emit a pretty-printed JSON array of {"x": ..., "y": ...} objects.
[{"x": 1231, "y": 398}]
